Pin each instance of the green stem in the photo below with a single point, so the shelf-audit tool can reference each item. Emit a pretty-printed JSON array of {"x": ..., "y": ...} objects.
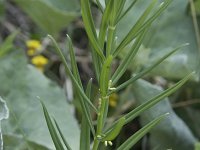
[
  {"x": 101, "y": 120},
  {"x": 111, "y": 36},
  {"x": 96, "y": 144}
]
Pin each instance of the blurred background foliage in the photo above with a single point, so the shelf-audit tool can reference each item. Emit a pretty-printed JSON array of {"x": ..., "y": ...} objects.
[{"x": 30, "y": 68}]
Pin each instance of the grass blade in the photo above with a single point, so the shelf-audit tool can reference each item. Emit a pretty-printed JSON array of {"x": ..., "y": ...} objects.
[
  {"x": 52, "y": 130},
  {"x": 84, "y": 106},
  {"x": 73, "y": 62},
  {"x": 126, "y": 11},
  {"x": 112, "y": 134},
  {"x": 62, "y": 136},
  {"x": 104, "y": 23},
  {"x": 89, "y": 26},
  {"x": 148, "y": 69},
  {"x": 134, "y": 30},
  {"x": 78, "y": 88},
  {"x": 89, "y": 88},
  {"x": 137, "y": 111},
  {"x": 100, "y": 6},
  {"x": 139, "y": 134},
  {"x": 85, "y": 128},
  {"x": 134, "y": 113},
  {"x": 128, "y": 58}
]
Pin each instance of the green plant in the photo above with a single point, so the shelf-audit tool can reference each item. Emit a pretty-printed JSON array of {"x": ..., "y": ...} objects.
[{"x": 104, "y": 49}]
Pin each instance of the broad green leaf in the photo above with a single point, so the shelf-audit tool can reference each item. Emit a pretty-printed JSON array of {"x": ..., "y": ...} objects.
[
  {"x": 13, "y": 142},
  {"x": 172, "y": 29},
  {"x": 172, "y": 132},
  {"x": 4, "y": 114},
  {"x": 139, "y": 134},
  {"x": 190, "y": 116},
  {"x": 50, "y": 15},
  {"x": 26, "y": 116}
]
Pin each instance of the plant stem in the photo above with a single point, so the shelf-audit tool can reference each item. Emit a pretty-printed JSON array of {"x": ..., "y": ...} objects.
[
  {"x": 111, "y": 33},
  {"x": 101, "y": 120}
]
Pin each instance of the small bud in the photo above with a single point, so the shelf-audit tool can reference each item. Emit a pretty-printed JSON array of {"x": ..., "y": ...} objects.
[
  {"x": 109, "y": 83},
  {"x": 112, "y": 89},
  {"x": 99, "y": 137},
  {"x": 106, "y": 143},
  {"x": 110, "y": 143}
]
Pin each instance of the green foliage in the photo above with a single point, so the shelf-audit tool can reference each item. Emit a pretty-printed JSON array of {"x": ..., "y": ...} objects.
[
  {"x": 26, "y": 122},
  {"x": 50, "y": 15},
  {"x": 7, "y": 45},
  {"x": 197, "y": 146},
  {"x": 172, "y": 127},
  {"x": 160, "y": 38},
  {"x": 139, "y": 134},
  {"x": 103, "y": 56}
]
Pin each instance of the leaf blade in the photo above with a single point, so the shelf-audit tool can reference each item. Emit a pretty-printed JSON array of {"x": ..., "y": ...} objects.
[
  {"x": 139, "y": 134},
  {"x": 52, "y": 130}
]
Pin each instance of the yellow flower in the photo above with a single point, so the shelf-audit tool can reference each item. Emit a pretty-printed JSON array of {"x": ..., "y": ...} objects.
[
  {"x": 33, "y": 44},
  {"x": 113, "y": 100},
  {"x": 33, "y": 47},
  {"x": 39, "y": 61}
]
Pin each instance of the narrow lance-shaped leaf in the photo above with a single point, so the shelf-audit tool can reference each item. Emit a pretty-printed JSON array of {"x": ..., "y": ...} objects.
[
  {"x": 128, "y": 144},
  {"x": 62, "y": 136},
  {"x": 113, "y": 133},
  {"x": 85, "y": 128},
  {"x": 128, "y": 58},
  {"x": 104, "y": 23},
  {"x": 73, "y": 62},
  {"x": 100, "y": 6},
  {"x": 148, "y": 69},
  {"x": 52, "y": 130},
  {"x": 78, "y": 88},
  {"x": 134, "y": 113},
  {"x": 89, "y": 26},
  {"x": 137, "y": 111},
  {"x": 84, "y": 106},
  {"x": 120, "y": 16},
  {"x": 132, "y": 33}
]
